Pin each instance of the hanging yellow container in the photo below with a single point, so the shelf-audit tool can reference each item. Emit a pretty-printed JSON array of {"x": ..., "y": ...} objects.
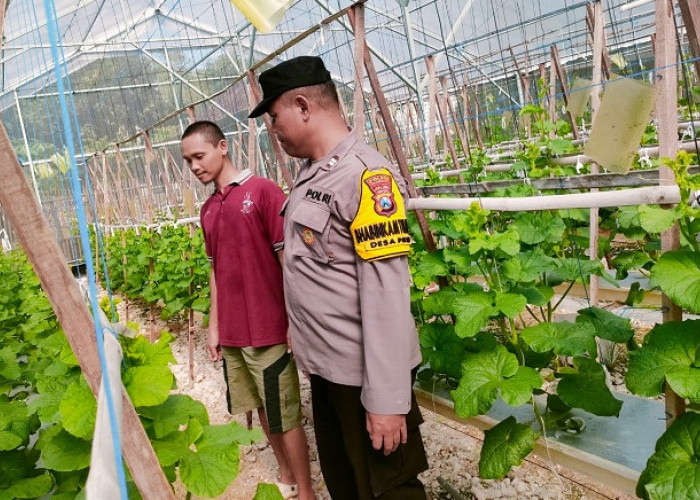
[{"x": 263, "y": 14}]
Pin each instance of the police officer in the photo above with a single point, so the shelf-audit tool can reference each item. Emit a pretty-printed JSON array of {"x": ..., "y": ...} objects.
[{"x": 346, "y": 285}]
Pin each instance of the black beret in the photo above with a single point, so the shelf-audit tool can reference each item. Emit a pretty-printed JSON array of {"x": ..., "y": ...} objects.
[{"x": 294, "y": 73}]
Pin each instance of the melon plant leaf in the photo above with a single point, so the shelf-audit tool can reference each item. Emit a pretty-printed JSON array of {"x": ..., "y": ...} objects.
[
  {"x": 28, "y": 487},
  {"x": 173, "y": 413},
  {"x": 484, "y": 373},
  {"x": 607, "y": 325},
  {"x": 78, "y": 410},
  {"x": 9, "y": 368},
  {"x": 669, "y": 353},
  {"x": 654, "y": 219},
  {"x": 539, "y": 227},
  {"x": 210, "y": 470},
  {"x": 565, "y": 338},
  {"x": 627, "y": 261},
  {"x": 505, "y": 446},
  {"x": 510, "y": 304},
  {"x": 585, "y": 388},
  {"x": 430, "y": 266},
  {"x": 673, "y": 470},
  {"x": 268, "y": 491},
  {"x": 472, "y": 312},
  {"x": 460, "y": 259},
  {"x": 537, "y": 296},
  {"x": 677, "y": 273},
  {"x": 440, "y": 302},
  {"x": 228, "y": 435},
  {"x": 15, "y": 424},
  {"x": 526, "y": 267},
  {"x": 442, "y": 349},
  {"x": 148, "y": 385},
  {"x": 65, "y": 452},
  {"x": 170, "y": 448}
]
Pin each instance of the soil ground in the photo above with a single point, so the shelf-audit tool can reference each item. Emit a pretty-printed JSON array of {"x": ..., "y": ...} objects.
[{"x": 452, "y": 448}]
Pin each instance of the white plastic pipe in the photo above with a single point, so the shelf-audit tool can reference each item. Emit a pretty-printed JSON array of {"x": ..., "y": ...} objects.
[{"x": 636, "y": 196}]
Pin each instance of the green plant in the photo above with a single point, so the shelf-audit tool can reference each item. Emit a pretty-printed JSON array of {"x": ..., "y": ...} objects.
[{"x": 47, "y": 411}]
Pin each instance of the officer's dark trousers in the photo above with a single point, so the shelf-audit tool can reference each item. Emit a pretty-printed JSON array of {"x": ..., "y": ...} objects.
[{"x": 351, "y": 468}]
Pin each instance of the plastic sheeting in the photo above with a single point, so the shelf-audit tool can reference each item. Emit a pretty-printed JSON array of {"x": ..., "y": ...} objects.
[{"x": 578, "y": 96}]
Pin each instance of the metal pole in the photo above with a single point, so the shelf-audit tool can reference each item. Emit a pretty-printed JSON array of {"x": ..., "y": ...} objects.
[{"x": 26, "y": 146}]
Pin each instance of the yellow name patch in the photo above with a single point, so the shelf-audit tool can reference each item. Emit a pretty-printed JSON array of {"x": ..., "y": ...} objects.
[{"x": 380, "y": 229}]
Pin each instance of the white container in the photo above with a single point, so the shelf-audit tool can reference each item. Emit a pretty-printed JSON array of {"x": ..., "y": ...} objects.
[{"x": 263, "y": 14}]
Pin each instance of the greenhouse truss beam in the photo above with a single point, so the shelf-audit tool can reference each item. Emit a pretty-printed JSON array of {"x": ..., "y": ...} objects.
[{"x": 324, "y": 5}]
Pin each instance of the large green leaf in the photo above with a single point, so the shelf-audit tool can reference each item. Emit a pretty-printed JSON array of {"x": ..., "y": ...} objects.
[
  {"x": 584, "y": 387},
  {"x": 460, "y": 259},
  {"x": 508, "y": 242},
  {"x": 673, "y": 471},
  {"x": 472, "y": 312},
  {"x": 510, "y": 304},
  {"x": 440, "y": 302},
  {"x": 654, "y": 219},
  {"x": 210, "y": 470},
  {"x": 171, "y": 448},
  {"x": 9, "y": 368},
  {"x": 670, "y": 353},
  {"x": 148, "y": 385},
  {"x": 537, "y": 296},
  {"x": 430, "y": 266},
  {"x": 228, "y": 435},
  {"x": 539, "y": 227},
  {"x": 442, "y": 349},
  {"x": 505, "y": 446},
  {"x": 176, "y": 411},
  {"x": 267, "y": 491},
  {"x": 28, "y": 487},
  {"x": 65, "y": 452},
  {"x": 677, "y": 273},
  {"x": 78, "y": 410},
  {"x": 607, "y": 325},
  {"x": 565, "y": 338},
  {"x": 485, "y": 373},
  {"x": 526, "y": 267},
  {"x": 15, "y": 426}
]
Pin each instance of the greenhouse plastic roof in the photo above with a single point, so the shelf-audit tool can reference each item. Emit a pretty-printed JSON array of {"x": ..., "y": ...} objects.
[{"x": 469, "y": 38}]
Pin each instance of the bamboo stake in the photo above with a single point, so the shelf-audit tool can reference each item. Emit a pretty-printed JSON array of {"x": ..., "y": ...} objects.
[
  {"x": 564, "y": 88},
  {"x": 393, "y": 138},
  {"x": 358, "y": 112},
  {"x": 690, "y": 10},
  {"x": 189, "y": 255},
  {"x": 446, "y": 133},
  {"x": 475, "y": 117},
  {"x": 464, "y": 140},
  {"x": 666, "y": 114},
  {"x": 148, "y": 155},
  {"x": 279, "y": 154},
  {"x": 432, "y": 104},
  {"x": 49, "y": 263}
]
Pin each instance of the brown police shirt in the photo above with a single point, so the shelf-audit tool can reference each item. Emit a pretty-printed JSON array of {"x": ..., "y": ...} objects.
[{"x": 349, "y": 315}]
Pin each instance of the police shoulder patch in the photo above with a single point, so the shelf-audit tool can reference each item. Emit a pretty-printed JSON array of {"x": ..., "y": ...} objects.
[{"x": 380, "y": 229}]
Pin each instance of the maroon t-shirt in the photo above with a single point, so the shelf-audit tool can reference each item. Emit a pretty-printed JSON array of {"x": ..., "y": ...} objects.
[{"x": 243, "y": 229}]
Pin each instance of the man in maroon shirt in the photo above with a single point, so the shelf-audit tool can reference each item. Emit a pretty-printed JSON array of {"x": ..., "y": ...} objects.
[{"x": 243, "y": 234}]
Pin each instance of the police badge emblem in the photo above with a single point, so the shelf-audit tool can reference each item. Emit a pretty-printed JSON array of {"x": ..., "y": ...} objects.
[{"x": 382, "y": 194}]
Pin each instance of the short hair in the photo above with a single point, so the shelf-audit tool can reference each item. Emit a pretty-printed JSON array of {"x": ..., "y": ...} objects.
[
  {"x": 211, "y": 132},
  {"x": 323, "y": 94}
]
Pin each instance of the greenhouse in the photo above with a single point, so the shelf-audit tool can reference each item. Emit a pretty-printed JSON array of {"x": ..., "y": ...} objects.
[{"x": 549, "y": 154}]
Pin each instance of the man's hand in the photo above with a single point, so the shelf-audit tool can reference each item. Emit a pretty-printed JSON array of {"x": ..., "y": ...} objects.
[
  {"x": 386, "y": 431},
  {"x": 213, "y": 348},
  {"x": 289, "y": 343}
]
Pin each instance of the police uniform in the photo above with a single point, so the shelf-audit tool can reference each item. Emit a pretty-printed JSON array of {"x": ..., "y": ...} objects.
[{"x": 347, "y": 293}]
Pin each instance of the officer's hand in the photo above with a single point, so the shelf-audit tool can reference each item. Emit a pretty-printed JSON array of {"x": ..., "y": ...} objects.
[
  {"x": 386, "y": 431},
  {"x": 289, "y": 342},
  {"x": 213, "y": 348}
]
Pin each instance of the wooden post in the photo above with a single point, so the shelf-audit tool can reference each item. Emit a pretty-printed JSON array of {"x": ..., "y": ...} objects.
[
  {"x": 477, "y": 112},
  {"x": 667, "y": 117},
  {"x": 394, "y": 141},
  {"x": 122, "y": 164},
  {"x": 148, "y": 156},
  {"x": 552, "y": 91},
  {"x": 252, "y": 152},
  {"x": 189, "y": 255},
  {"x": 690, "y": 10},
  {"x": 358, "y": 106},
  {"x": 49, "y": 263},
  {"x": 432, "y": 104},
  {"x": 279, "y": 154},
  {"x": 564, "y": 88},
  {"x": 446, "y": 131},
  {"x": 416, "y": 135},
  {"x": 606, "y": 65},
  {"x": 457, "y": 128}
]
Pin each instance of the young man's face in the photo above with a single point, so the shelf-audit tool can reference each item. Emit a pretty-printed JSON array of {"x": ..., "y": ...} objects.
[
  {"x": 206, "y": 160},
  {"x": 288, "y": 125}
]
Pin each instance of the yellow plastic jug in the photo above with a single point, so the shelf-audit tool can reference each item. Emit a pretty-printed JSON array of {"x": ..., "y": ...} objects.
[{"x": 263, "y": 14}]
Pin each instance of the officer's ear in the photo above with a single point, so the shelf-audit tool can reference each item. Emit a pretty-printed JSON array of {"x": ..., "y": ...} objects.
[{"x": 302, "y": 104}]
